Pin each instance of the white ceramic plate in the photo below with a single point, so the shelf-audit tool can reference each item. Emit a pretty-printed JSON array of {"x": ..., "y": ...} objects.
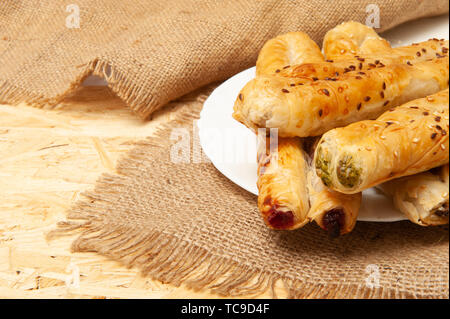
[{"x": 231, "y": 147}]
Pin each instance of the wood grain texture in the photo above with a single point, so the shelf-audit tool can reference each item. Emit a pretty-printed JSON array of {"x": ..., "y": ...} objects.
[{"x": 48, "y": 157}]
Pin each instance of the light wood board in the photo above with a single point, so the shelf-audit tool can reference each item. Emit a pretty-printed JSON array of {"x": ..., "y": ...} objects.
[{"x": 48, "y": 157}]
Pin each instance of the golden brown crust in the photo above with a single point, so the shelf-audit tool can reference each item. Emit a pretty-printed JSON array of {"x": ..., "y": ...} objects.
[
  {"x": 423, "y": 198},
  {"x": 406, "y": 140},
  {"x": 282, "y": 171},
  {"x": 346, "y": 40},
  {"x": 331, "y": 69},
  {"x": 288, "y": 49},
  {"x": 312, "y": 109}
]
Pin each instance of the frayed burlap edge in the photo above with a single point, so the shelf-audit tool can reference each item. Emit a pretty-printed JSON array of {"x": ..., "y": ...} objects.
[
  {"x": 133, "y": 95},
  {"x": 169, "y": 259}
]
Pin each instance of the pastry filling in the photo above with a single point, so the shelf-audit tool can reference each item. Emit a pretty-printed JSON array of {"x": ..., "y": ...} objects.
[
  {"x": 333, "y": 221},
  {"x": 442, "y": 211},
  {"x": 281, "y": 220},
  {"x": 347, "y": 173},
  {"x": 323, "y": 167}
]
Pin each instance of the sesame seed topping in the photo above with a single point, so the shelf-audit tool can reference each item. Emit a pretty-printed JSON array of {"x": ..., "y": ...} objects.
[
  {"x": 395, "y": 153},
  {"x": 384, "y": 85},
  {"x": 241, "y": 97},
  {"x": 409, "y": 63},
  {"x": 433, "y": 136},
  {"x": 277, "y": 71},
  {"x": 367, "y": 98},
  {"x": 443, "y": 146},
  {"x": 430, "y": 99},
  {"x": 418, "y": 53},
  {"x": 415, "y": 140},
  {"x": 285, "y": 91},
  {"x": 326, "y": 92},
  {"x": 437, "y": 118},
  {"x": 286, "y": 67},
  {"x": 383, "y": 137},
  {"x": 426, "y": 113},
  {"x": 444, "y": 50},
  {"x": 382, "y": 94},
  {"x": 315, "y": 79},
  {"x": 359, "y": 106},
  {"x": 292, "y": 84},
  {"x": 444, "y": 133},
  {"x": 320, "y": 112},
  {"x": 386, "y": 103}
]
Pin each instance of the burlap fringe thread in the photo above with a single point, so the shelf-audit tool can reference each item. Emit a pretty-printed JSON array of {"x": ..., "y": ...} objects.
[
  {"x": 172, "y": 260},
  {"x": 132, "y": 94}
]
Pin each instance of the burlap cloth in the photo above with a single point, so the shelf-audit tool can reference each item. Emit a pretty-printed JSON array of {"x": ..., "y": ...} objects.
[{"x": 186, "y": 223}]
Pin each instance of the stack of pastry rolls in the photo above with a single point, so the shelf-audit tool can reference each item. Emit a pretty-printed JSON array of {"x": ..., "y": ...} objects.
[{"x": 362, "y": 114}]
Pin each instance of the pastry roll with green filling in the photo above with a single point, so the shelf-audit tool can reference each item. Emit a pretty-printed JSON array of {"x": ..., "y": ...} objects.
[
  {"x": 314, "y": 108},
  {"x": 423, "y": 198},
  {"x": 332, "y": 211},
  {"x": 406, "y": 140}
]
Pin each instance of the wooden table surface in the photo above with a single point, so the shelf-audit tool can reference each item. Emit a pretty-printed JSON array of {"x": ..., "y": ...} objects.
[{"x": 48, "y": 157}]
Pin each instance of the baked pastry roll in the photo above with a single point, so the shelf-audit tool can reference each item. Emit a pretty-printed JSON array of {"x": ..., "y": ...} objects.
[
  {"x": 312, "y": 109},
  {"x": 331, "y": 69},
  {"x": 285, "y": 50},
  {"x": 283, "y": 198},
  {"x": 423, "y": 198},
  {"x": 346, "y": 40},
  {"x": 332, "y": 211},
  {"x": 406, "y": 140}
]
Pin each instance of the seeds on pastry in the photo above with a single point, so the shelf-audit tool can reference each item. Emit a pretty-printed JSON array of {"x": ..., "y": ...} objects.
[
  {"x": 384, "y": 85},
  {"x": 241, "y": 97},
  {"x": 284, "y": 91},
  {"x": 326, "y": 92},
  {"x": 367, "y": 99},
  {"x": 437, "y": 118},
  {"x": 359, "y": 106}
]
